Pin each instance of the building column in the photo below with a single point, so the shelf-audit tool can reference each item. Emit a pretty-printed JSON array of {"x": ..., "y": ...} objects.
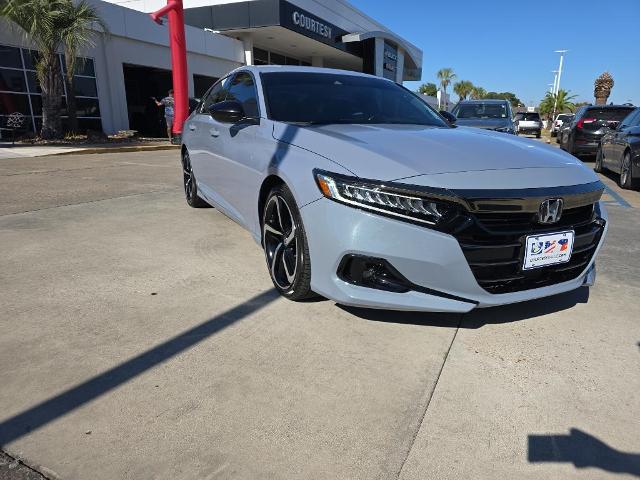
[
  {"x": 379, "y": 57},
  {"x": 400, "y": 66},
  {"x": 317, "y": 62},
  {"x": 247, "y": 46}
]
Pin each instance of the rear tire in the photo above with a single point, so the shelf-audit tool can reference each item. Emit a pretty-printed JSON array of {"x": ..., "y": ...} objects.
[
  {"x": 285, "y": 245},
  {"x": 626, "y": 173},
  {"x": 598, "y": 168},
  {"x": 538, "y": 135},
  {"x": 189, "y": 182}
]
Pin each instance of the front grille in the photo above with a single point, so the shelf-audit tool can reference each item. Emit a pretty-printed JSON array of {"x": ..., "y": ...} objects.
[{"x": 493, "y": 242}]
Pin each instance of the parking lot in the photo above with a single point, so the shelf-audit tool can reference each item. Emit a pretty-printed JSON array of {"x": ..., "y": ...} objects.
[{"x": 143, "y": 339}]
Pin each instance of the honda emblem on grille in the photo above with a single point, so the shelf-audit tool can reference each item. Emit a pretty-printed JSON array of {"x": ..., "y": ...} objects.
[{"x": 550, "y": 210}]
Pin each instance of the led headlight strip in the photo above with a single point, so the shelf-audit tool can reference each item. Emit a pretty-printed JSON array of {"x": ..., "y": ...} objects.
[{"x": 377, "y": 198}]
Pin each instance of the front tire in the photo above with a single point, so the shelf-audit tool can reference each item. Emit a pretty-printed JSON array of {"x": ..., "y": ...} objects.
[
  {"x": 189, "y": 182},
  {"x": 285, "y": 245},
  {"x": 626, "y": 173}
]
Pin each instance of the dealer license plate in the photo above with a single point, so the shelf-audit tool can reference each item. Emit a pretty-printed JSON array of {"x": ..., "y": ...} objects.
[{"x": 548, "y": 249}]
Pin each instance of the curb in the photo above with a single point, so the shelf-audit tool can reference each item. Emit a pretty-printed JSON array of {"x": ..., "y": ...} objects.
[{"x": 132, "y": 148}]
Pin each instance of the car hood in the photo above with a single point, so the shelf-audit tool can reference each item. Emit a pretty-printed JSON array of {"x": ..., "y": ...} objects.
[
  {"x": 490, "y": 123},
  {"x": 394, "y": 152}
]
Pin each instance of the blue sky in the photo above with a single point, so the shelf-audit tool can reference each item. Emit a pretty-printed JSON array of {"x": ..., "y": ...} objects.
[{"x": 509, "y": 45}]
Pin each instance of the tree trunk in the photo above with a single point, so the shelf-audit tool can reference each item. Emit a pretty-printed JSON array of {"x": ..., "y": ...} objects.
[
  {"x": 601, "y": 100},
  {"x": 69, "y": 81},
  {"x": 72, "y": 105},
  {"x": 50, "y": 78}
]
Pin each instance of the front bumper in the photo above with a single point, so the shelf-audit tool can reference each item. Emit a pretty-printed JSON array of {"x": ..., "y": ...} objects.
[{"x": 425, "y": 257}]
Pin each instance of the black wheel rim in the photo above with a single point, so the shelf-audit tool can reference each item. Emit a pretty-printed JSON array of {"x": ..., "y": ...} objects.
[
  {"x": 280, "y": 242},
  {"x": 187, "y": 174},
  {"x": 626, "y": 164}
]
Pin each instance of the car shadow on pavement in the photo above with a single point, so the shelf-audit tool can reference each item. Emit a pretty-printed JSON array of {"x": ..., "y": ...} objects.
[
  {"x": 55, "y": 407},
  {"x": 479, "y": 317},
  {"x": 583, "y": 451}
]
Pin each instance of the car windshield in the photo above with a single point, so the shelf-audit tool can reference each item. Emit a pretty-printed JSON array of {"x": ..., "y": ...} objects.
[
  {"x": 327, "y": 98},
  {"x": 614, "y": 114},
  {"x": 481, "y": 110},
  {"x": 564, "y": 118}
]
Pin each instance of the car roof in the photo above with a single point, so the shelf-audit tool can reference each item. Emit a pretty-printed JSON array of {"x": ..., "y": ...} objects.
[
  {"x": 599, "y": 107},
  {"x": 300, "y": 69},
  {"x": 487, "y": 100}
]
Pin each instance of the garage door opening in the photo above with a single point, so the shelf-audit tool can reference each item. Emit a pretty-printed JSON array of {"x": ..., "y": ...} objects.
[{"x": 141, "y": 84}]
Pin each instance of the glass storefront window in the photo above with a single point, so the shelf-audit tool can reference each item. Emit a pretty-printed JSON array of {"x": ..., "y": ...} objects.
[
  {"x": 32, "y": 82},
  {"x": 10, "y": 57},
  {"x": 12, "y": 80},
  {"x": 265, "y": 57},
  {"x": 260, "y": 57},
  {"x": 277, "y": 59},
  {"x": 23, "y": 96},
  {"x": 87, "y": 107},
  {"x": 85, "y": 87},
  {"x": 14, "y": 102}
]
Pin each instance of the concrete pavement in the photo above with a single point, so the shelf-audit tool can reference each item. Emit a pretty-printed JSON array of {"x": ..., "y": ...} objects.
[{"x": 142, "y": 339}]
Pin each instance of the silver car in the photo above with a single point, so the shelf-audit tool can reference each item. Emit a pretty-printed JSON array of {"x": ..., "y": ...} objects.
[{"x": 360, "y": 192}]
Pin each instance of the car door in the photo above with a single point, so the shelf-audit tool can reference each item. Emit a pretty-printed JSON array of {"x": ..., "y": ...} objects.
[
  {"x": 205, "y": 149},
  {"x": 618, "y": 141},
  {"x": 247, "y": 145}
]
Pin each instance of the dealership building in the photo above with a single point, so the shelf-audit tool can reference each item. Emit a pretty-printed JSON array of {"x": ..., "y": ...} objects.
[{"x": 126, "y": 68}]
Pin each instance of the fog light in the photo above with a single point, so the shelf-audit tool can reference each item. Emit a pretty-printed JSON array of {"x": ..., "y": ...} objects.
[{"x": 371, "y": 273}]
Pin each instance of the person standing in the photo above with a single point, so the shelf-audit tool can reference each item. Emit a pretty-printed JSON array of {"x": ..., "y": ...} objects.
[{"x": 169, "y": 110}]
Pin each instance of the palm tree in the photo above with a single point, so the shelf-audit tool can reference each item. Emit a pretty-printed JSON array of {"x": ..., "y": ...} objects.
[
  {"x": 478, "y": 93},
  {"x": 445, "y": 75},
  {"x": 602, "y": 88},
  {"x": 562, "y": 102},
  {"x": 428, "y": 89},
  {"x": 38, "y": 19},
  {"x": 463, "y": 89},
  {"x": 78, "y": 32},
  {"x": 51, "y": 25}
]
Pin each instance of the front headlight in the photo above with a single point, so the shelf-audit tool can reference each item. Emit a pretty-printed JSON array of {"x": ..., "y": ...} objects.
[{"x": 387, "y": 200}]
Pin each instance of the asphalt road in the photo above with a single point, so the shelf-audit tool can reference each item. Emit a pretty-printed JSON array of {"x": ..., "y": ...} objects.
[{"x": 142, "y": 339}]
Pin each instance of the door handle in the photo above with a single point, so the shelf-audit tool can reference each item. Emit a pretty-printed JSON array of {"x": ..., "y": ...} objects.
[
  {"x": 192, "y": 127},
  {"x": 214, "y": 132}
]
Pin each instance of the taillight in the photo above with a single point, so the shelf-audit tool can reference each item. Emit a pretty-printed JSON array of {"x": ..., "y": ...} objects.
[{"x": 582, "y": 121}]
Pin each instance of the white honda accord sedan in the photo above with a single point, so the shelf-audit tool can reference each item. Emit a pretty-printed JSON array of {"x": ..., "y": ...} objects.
[{"x": 359, "y": 191}]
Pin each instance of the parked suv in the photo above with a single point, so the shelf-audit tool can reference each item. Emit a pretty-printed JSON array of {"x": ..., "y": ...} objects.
[
  {"x": 488, "y": 114},
  {"x": 528, "y": 123},
  {"x": 591, "y": 122},
  {"x": 559, "y": 122}
]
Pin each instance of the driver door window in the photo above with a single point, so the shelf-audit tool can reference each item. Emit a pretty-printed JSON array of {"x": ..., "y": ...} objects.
[
  {"x": 218, "y": 93},
  {"x": 242, "y": 89}
]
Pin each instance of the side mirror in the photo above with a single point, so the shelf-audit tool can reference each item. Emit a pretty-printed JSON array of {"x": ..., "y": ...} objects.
[
  {"x": 229, "y": 111},
  {"x": 449, "y": 117}
]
